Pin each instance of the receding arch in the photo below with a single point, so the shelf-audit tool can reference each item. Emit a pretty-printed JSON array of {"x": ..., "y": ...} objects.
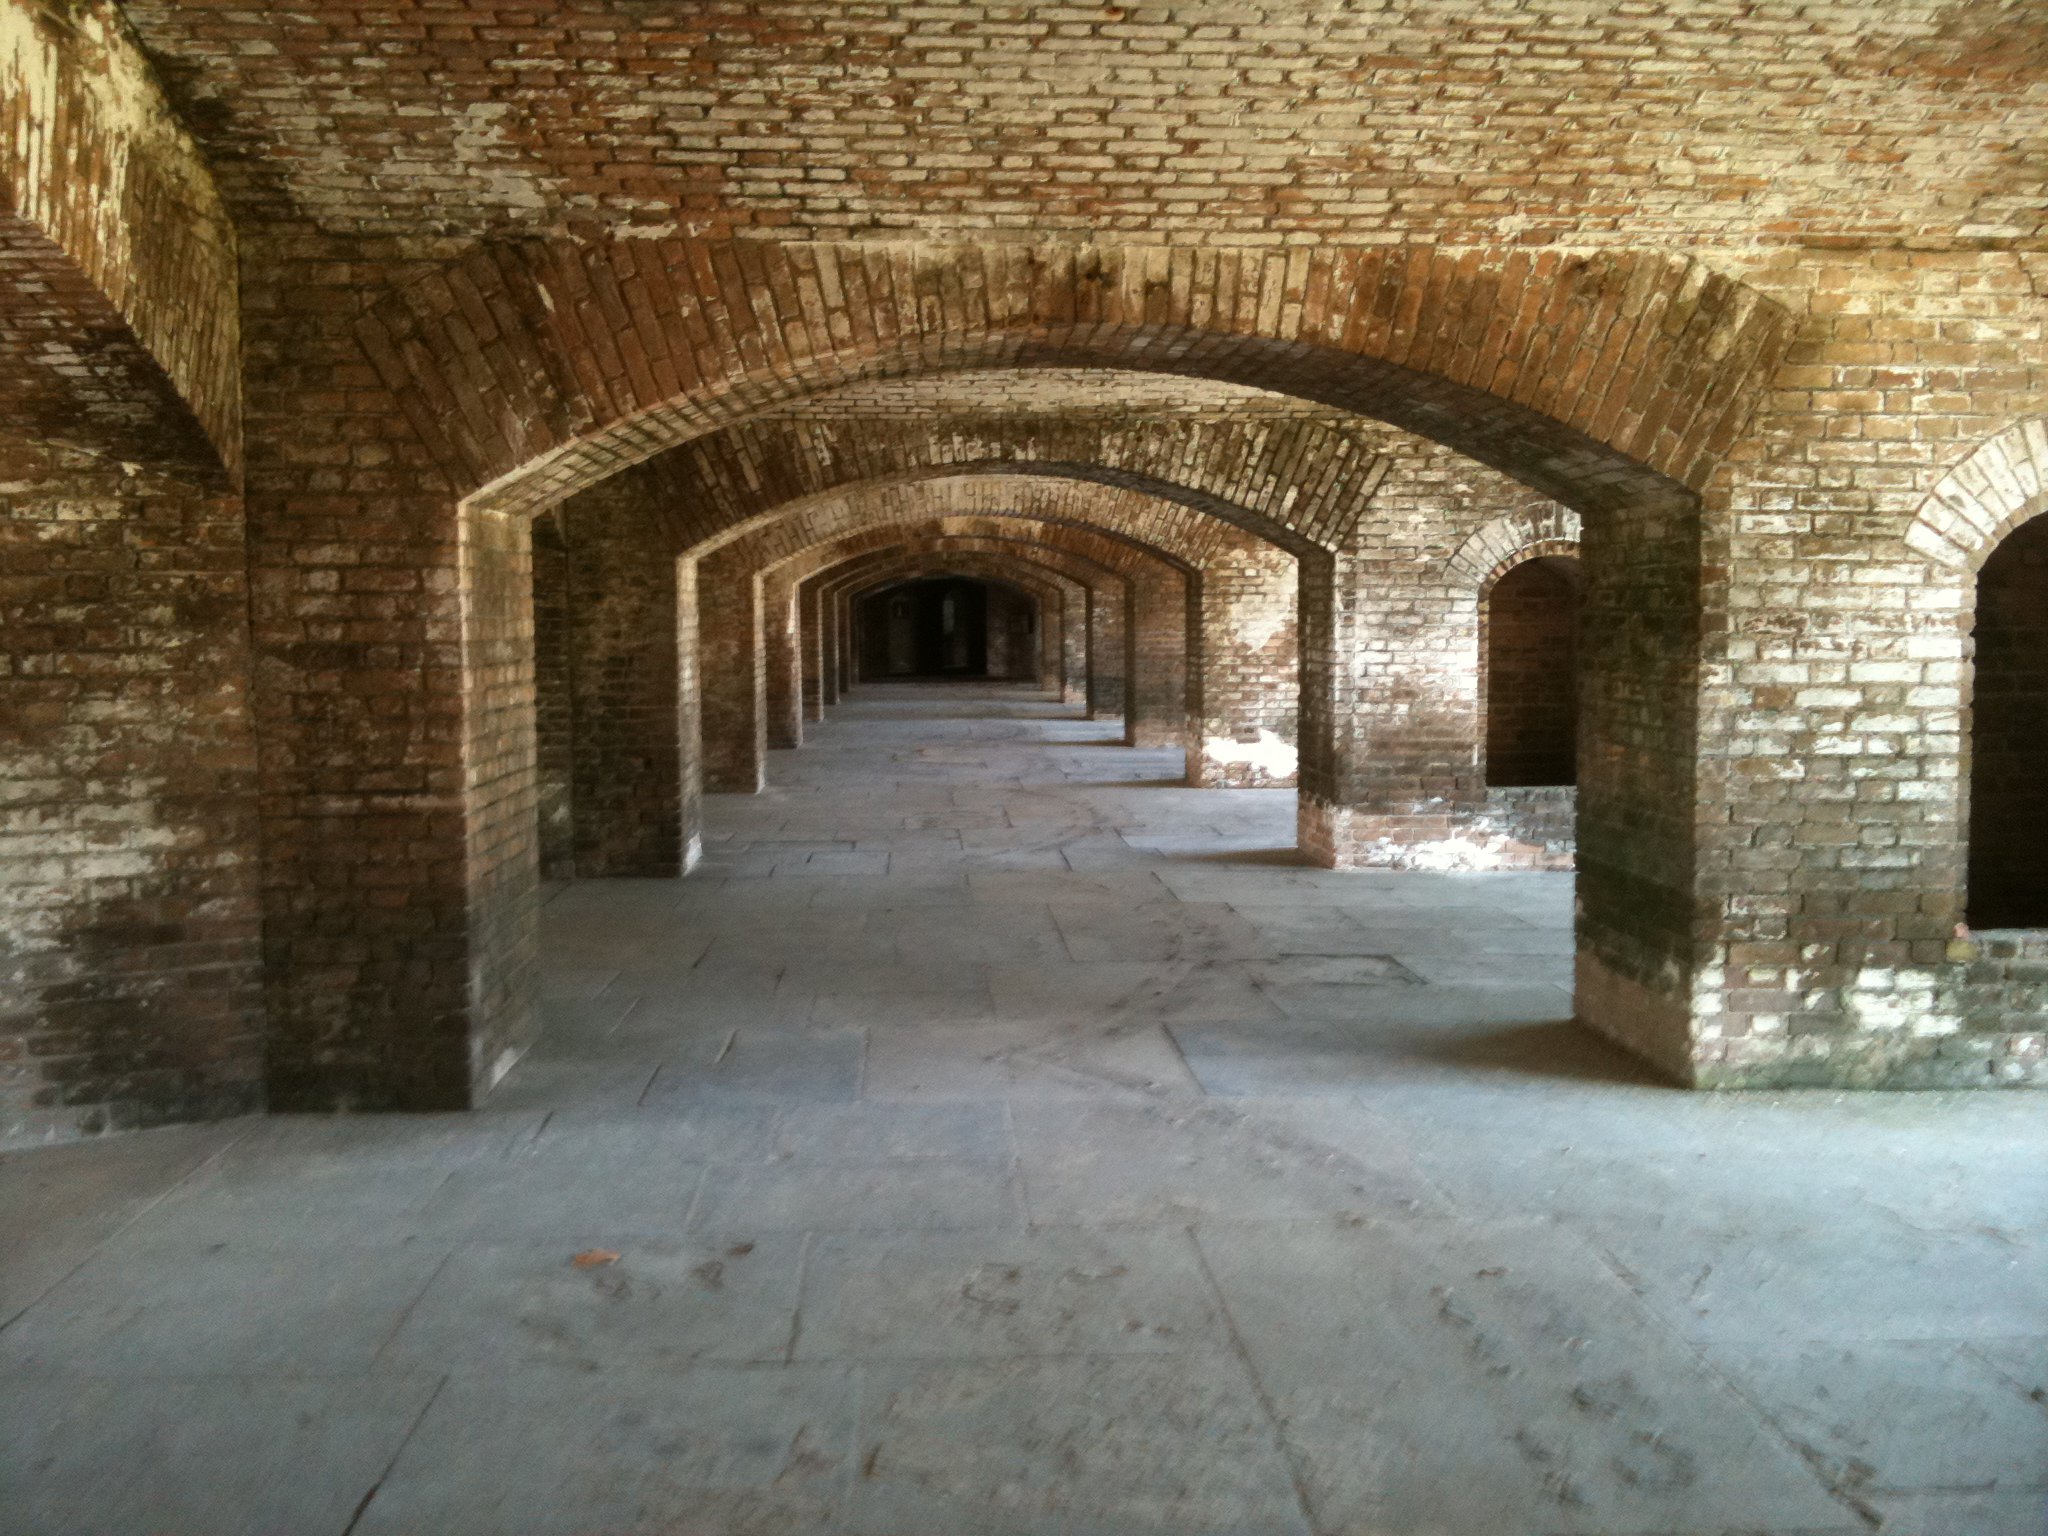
[
  {"x": 1598, "y": 378},
  {"x": 1144, "y": 623},
  {"x": 1300, "y": 482},
  {"x": 1093, "y": 650},
  {"x": 1003, "y": 592}
]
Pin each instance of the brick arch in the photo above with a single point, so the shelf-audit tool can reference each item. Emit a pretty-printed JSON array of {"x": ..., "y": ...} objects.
[
  {"x": 1139, "y": 520},
  {"x": 827, "y": 561},
  {"x": 1300, "y": 482},
  {"x": 535, "y": 368},
  {"x": 1509, "y": 540},
  {"x": 2003, "y": 483},
  {"x": 1160, "y": 548},
  {"x": 119, "y": 326}
]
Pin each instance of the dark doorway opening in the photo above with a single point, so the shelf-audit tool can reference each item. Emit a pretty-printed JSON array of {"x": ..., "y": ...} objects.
[
  {"x": 2008, "y": 880},
  {"x": 930, "y": 628},
  {"x": 1532, "y": 674}
]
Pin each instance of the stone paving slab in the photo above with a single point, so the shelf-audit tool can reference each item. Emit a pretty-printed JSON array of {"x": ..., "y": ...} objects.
[{"x": 1084, "y": 1163}]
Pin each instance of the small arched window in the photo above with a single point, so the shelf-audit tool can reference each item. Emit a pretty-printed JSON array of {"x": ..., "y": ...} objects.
[
  {"x": 1532, "y": 684},
  {"x": 2008, "y": 879}
]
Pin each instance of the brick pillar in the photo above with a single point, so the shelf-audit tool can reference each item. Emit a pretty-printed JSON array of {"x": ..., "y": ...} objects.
[
  {"x": 626, "y": 751},
  {"x": 1158, "y": 645},
  {"x": 394, "y": 701},
  {"x": 1244, "y": 695},
  {"x": 810, "y": 616},
  {"x": 782, "y": 664},
  {"x": 554, "y": 701},
  {"x": 847, "y": 668},
  {"x": 130, "y": 988},
  {"x": 1390, "y": 713},
  {"x": 1073, "y": 643},
  {"x": 1052, "y": 640},
  {"x": 732, "y": 681},
  {"x": 1638, "y": 833},
  {"x": 1110, "y": 611}
]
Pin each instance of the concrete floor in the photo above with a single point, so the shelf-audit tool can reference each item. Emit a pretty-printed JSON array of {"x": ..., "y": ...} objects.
[{"x": 996, "y": 1140}]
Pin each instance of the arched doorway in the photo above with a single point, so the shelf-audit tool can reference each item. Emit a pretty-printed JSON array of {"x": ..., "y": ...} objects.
[
  {"x": 1532, "y": 707},
  {"x": 2008, "y": 886}
]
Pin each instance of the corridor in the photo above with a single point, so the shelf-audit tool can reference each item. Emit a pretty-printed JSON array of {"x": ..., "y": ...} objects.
[{"x": 990, "y": 1136}]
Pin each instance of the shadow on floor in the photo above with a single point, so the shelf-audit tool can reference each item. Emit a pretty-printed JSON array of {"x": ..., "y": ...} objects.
[{"x": 1559, "y": 1048}]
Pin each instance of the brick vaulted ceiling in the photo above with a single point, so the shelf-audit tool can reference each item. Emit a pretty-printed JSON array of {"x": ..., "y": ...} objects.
[{"x": 1674, "y": 123}]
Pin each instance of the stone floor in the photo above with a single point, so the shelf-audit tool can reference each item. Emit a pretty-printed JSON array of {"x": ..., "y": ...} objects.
[{"x": 995, "y": 1138}]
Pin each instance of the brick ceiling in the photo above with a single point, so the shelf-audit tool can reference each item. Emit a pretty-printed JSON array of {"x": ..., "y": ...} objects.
[
  {"x": 1061, "y": 392},
  {"x": 1657, "y": 122}
]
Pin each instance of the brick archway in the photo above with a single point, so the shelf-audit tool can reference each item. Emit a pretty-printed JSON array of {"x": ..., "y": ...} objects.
[
  {"x": 538, "y": 367},
  {"x": 2001, "y": 484},
  {"x": 1094, "y": 651},
  {"x": 1494, "y": 550},
  {"x": 745, "y": 611},
  {"x": 1051, "y": 596},
  {"x": 1242, "y": 680},
  {"x": 1301, "y": 483}
]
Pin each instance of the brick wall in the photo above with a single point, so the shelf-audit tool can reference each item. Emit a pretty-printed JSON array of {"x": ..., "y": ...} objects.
[
  {"x": 374, "y": 972},
  {"x": 1246, "y": 686},
  {"x": 129, "y": 950},
  {"x": 1899, "y": 443},
  {"x": 1394, "y": 719},
  {"x": 733, "y": 684}
]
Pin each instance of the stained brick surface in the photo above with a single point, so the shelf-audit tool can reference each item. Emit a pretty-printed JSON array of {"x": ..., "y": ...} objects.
[{"x": 1268, "y": 343}]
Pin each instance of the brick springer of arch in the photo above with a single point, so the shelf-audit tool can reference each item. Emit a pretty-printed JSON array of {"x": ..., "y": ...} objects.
[
  {"x": 2001, "y": 484},
  {"x": 120, "y": 329},
  {"x": 534, "y": 368},
  {"x": 1506, "y": 542},
  {"x": 1300, "y": 482}
]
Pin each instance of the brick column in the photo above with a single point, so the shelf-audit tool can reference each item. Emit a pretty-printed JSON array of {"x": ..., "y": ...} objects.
[
  {"x": 732, "y": 680},
  {"x": 1160, "y": 637},
  {"x": 394, "y": 701},
  {"x": 1243, "y": 695},
  {"x": 626, "y": 749},
  {"x": 810, "y": 617},
  {"x": 1390, "y": 773},
  {"x": 1067, "y": 645},
  {"x": 781, "y": 664}
]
